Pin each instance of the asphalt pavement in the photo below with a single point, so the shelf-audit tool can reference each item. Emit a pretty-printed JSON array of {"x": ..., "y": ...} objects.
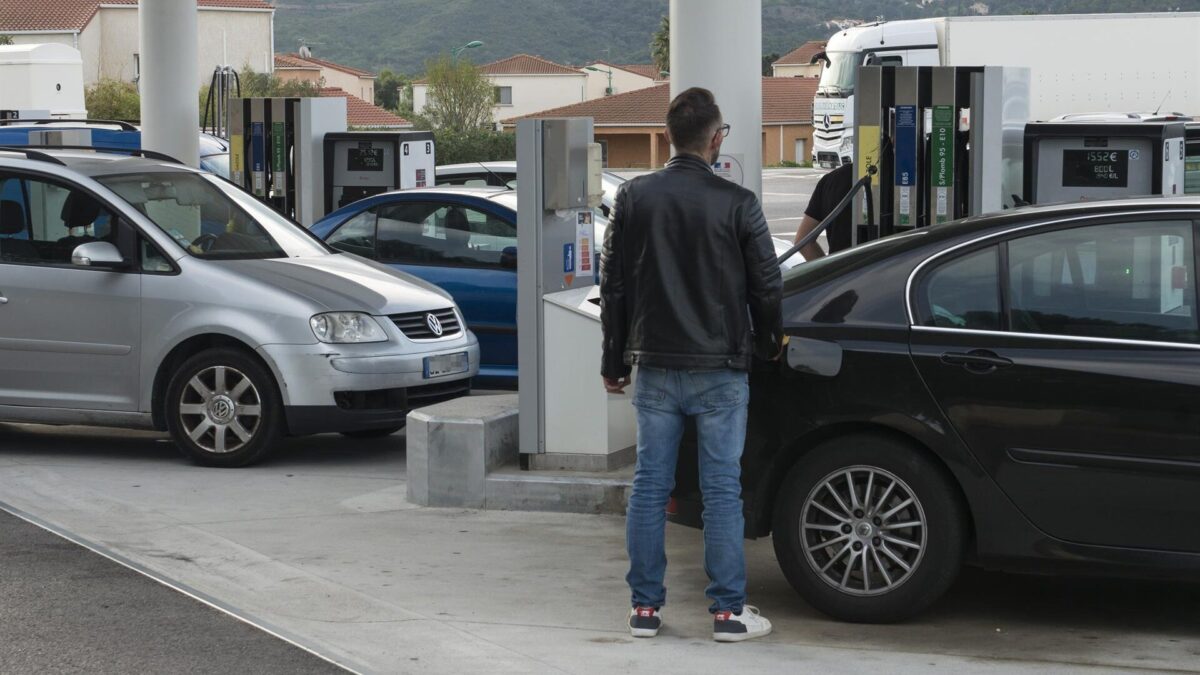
[
  {"x": 320, "y": 544},
  {"x": 65, "y": 609}
]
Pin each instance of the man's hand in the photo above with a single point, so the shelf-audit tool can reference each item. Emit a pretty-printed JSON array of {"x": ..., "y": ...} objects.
[{"x": 615, "y": 386}]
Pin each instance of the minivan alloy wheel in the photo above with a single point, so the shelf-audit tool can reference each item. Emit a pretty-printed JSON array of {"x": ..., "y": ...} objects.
[
  {"x": 220, "y": 409},
  {"x": 863, "y": 530}
]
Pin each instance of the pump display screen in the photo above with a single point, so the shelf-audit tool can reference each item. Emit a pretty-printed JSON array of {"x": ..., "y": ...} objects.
[
  {"x": 364, "y": 159},
  {"x": 1096, "y": 168}
]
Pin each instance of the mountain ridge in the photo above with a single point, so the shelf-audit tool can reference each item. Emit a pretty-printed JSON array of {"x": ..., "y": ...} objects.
[{"x": 402, "y": 34}]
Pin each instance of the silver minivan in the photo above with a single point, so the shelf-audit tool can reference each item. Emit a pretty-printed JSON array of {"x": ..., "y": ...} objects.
[{"x": 140, "y": 293}]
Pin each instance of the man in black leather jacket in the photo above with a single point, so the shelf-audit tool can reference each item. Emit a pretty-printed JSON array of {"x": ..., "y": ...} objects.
[{"x": 690, "y": 294}]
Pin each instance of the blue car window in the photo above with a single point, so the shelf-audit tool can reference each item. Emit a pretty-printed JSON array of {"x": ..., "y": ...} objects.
[
  {"x": 429, "y": 233},
  {"x": 356, "y": 235}
]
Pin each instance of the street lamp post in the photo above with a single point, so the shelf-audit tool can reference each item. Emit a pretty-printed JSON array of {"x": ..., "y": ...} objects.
[
  {"x": 470, "y": 45},
  {"x": 609, "y": 91}
]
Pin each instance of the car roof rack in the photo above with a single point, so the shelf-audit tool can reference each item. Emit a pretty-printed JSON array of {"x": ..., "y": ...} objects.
[
  {"x": 140, "y": 152},
  {"x": 125, "y": 126},
  {"x": 33, "y": 154}
]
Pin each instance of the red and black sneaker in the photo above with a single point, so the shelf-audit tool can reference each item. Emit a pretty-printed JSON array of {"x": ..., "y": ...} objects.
[{"x": 644, "y": 621}]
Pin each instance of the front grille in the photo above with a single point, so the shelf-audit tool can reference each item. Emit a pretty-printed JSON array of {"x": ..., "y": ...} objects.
[{"x": 415, "y": 325}]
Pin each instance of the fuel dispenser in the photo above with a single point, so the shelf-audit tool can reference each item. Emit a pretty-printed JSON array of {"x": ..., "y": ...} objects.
[
  {"x": 359, "y": 164},
  {"x": 939, "y": 143},
  {"x": 276, "y": 147},
  {"x": 1073, "y": 161},
  {"x": 566, "y": 419}
]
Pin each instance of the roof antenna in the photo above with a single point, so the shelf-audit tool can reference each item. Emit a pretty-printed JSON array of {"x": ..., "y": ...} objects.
[{"x": 1164, "y": 102}]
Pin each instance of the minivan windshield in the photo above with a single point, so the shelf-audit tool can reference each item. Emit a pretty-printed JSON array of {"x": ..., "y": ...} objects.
[
  {"x": 838, "y": 76},
  {"x": 212, "y": 219}
]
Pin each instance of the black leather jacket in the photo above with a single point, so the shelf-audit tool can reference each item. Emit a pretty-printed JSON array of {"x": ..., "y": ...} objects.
[{"x": 689, "y": 270}]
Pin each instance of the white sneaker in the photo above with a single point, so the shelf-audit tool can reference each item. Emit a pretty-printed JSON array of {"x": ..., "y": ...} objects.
[
  {"x": 730, "y": 627},
  {"x": 644, "y": 621}
]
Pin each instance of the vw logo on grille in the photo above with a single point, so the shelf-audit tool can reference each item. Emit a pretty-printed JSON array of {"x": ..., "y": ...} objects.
[{"x": 435, "y": 326}]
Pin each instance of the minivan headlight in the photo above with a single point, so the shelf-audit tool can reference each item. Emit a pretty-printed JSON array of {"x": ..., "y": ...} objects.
[{"x": 346, "y": 327}]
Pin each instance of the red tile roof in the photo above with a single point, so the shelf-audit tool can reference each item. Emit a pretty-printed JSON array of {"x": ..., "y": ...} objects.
[
  {"x": 786, "y": 100},
  {"x": 74, "y": 15},
  {"x": 644, "y": 69},
  {"x": 290, "y": 61},
  {"x": 802, "y": 55},
  {"x": 524, "y": 64},
  {"x": 359, "y": 113},
  {"x": 321, "y": 63}
]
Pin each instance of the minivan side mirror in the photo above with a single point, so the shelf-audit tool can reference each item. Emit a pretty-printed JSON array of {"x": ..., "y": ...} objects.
[{"x": 97, "y": 254}]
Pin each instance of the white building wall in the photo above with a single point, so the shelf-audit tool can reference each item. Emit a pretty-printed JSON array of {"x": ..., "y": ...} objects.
[
  {"x": 535, "y": 93},
  {"x": 622, "y": 81},
  {"x": 227, "y": 37},
  {"x": 796, "y": 70},
  {"x": 420, "y": 94},
  {"x": 362, "y": 87}
]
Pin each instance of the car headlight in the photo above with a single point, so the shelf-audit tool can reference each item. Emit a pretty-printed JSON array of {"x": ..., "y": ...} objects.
[
  {"x": 847, "y": 143},
  {"x": 346, "y": 327}
]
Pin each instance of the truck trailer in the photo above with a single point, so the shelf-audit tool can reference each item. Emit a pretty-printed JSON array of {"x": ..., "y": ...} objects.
[{"x": 1079, "y": 63}]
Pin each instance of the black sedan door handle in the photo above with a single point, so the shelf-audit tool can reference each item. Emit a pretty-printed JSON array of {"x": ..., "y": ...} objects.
[{"x": 976, "y": 360}]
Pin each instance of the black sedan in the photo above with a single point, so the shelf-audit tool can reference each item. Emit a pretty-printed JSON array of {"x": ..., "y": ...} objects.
[{"x": 1019, "y": 391}]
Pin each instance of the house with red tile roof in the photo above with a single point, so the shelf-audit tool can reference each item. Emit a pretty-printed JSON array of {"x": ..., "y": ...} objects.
[
  {"x": 523, "y": 84},
  {"x": 798, "y": 62},
  {"x": 631, "y": 126},
  {"x": 232, "y": 32},
  {"x": 363, "y": 115},
  {"x": 607, "y": 79},
  {"x": 304, "y": 67}
]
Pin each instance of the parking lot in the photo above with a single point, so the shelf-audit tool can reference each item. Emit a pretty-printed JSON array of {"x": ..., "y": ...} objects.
[{"x": 320, "y": 546}]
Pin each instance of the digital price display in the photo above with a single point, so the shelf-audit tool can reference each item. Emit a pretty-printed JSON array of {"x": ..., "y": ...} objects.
[
  {"x": 1096, "y": 168},
  {"x": 364, "y": 158}
]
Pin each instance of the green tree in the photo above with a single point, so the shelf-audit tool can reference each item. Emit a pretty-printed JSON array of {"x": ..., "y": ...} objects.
[
  {"x": 269, "y": 84},
  {"x": 113, "y": 100},
  {"x": 459, "y": 97},
  {"x": 392, "y": 91},
  {"x": 660, "y": 45},
  {"x": 6, "y": 40},
  {"x": 767, "y": 60}
]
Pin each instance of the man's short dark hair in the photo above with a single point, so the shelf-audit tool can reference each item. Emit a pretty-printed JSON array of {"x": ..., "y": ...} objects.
[{"x": 692, "y": 117}]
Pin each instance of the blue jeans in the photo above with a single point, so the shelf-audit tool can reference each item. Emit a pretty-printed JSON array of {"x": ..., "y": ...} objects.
[{"x": 717, "y": 401}]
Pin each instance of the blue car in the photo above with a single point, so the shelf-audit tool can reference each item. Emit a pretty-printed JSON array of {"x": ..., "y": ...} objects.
[{"x": 463, "y": 239}]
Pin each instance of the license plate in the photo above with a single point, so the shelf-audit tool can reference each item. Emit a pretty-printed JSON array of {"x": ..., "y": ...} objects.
[{"x": 446, "y": 364}]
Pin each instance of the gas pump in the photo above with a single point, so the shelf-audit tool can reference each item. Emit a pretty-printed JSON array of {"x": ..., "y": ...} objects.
[
  {"x": 276, "y": 147},
  {"x": 567, "y": 420},
  {"x": 1072, "y": 161},
  {"x": 359, "y": 164},
  {"x": 944, "y": 143}
]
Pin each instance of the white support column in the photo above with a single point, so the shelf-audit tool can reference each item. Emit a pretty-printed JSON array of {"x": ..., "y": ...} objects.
[
  {"x": 717, "y": 44},
  {"x": 169, "y": 47}
]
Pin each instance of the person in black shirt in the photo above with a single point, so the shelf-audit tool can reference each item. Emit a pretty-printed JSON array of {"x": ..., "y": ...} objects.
[{"x": 830, "y": 190}]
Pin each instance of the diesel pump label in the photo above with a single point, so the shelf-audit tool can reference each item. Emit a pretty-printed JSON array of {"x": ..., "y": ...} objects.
[{"x": 1095, "y": 168}]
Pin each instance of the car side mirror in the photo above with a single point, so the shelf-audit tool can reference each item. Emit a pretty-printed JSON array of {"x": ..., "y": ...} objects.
[
  {"x": 97, "y": 254},
  {"x": 508, "y": 258}
]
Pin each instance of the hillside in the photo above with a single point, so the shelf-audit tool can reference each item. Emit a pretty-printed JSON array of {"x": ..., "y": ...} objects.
[{"x": 401, "y": 34}]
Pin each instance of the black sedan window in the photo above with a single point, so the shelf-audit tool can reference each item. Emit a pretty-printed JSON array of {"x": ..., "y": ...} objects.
[
  {"x": 1122, "y": 280},
  {"x": 963, "y": 293}
]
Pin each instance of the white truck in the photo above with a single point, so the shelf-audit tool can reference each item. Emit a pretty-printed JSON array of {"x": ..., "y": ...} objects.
[{"x": 1078, "y": 62}]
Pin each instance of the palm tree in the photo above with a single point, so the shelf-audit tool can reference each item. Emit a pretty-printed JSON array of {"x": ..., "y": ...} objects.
[{"x": 660, "y": 45}]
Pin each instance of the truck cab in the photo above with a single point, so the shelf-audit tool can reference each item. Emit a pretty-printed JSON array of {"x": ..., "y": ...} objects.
[{"x": 894, "y": 43}]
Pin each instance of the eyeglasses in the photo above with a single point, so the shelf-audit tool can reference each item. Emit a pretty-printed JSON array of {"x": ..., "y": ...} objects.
[{"x": 723, "y": 130}]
